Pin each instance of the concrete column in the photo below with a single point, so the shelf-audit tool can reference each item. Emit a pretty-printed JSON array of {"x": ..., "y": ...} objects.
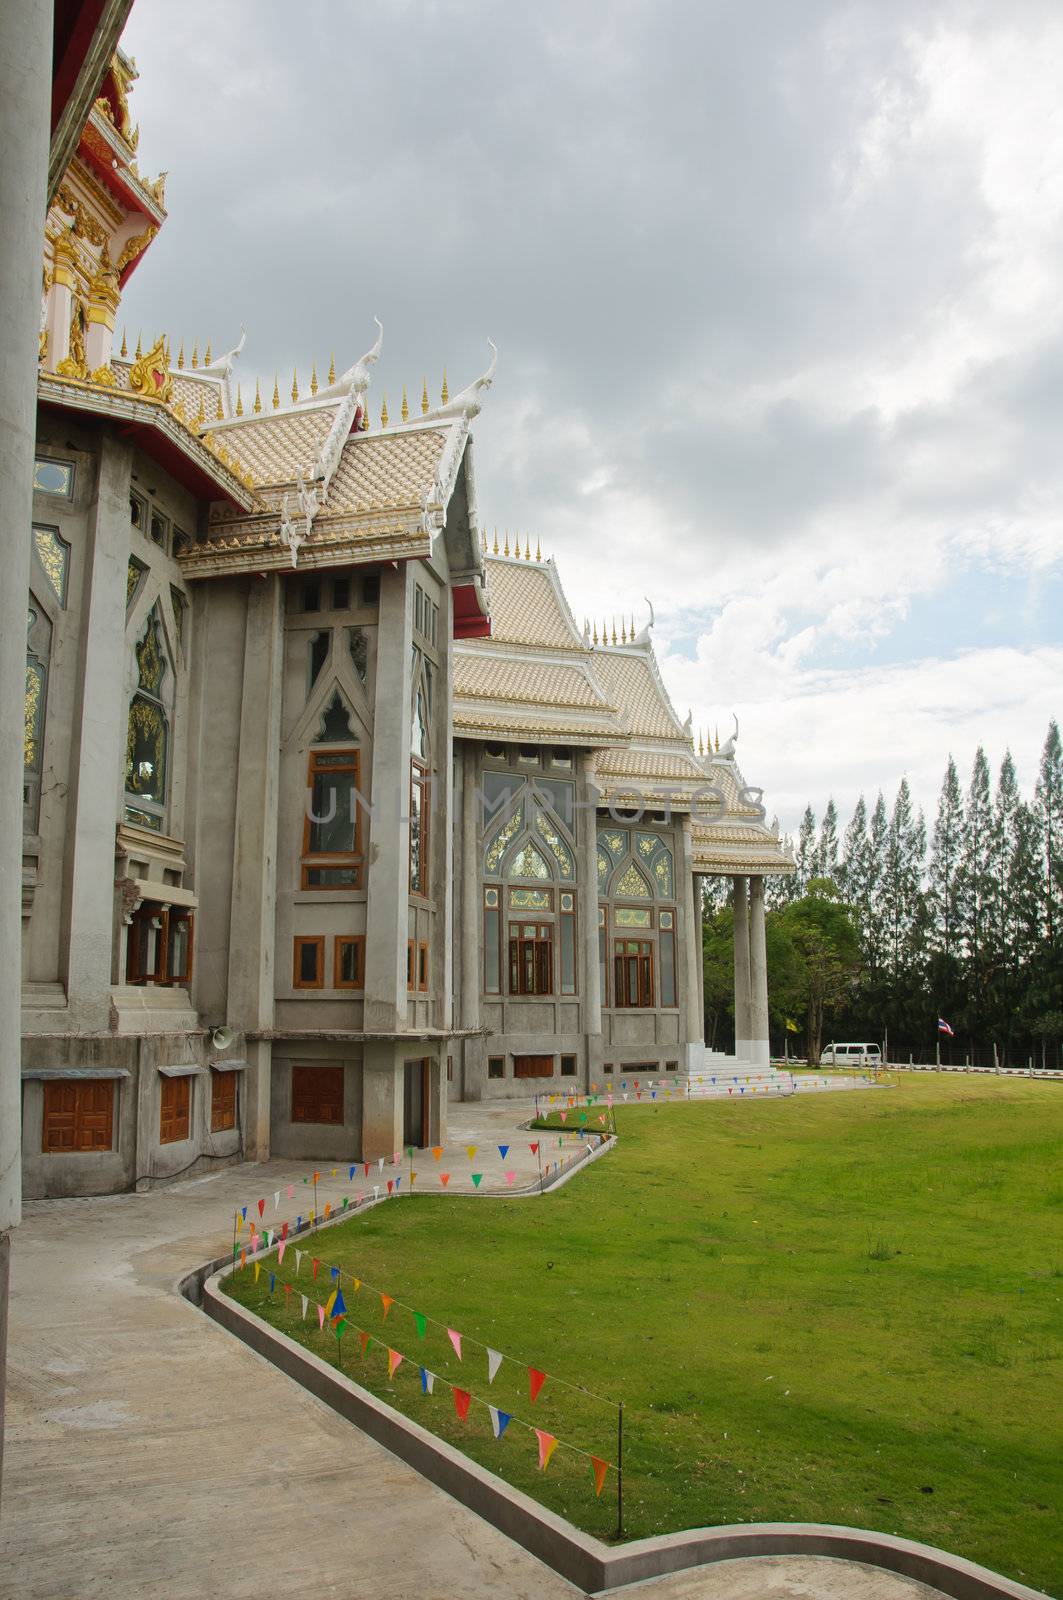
[
  {"x": 388, "y": 875},
  {"x": 253, "y": 907},
  {"x": 97, "y": 757},
  {"x": 743, "y": 1018},
  {"x": 471, "y": 907},
  {"x": 758, "y": 975},
  {"x": 587, "y": 907},
  {"x": 382, "y": 1098},
  {"x": 444, "y": 887},
  {"x": 25, "y": 81},
  {"x": 692, "y": 1024},
  {"x": 699, "y": 915}
]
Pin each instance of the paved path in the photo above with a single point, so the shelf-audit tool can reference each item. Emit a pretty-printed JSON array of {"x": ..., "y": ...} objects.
[{"x": 149, "y": 1453}]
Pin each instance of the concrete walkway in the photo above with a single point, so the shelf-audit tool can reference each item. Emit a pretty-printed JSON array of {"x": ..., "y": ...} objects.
[{"x": 148, "y": 1452}]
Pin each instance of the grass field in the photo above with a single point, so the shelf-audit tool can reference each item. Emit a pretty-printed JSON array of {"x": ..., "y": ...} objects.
[{"x": 846, "y": 1308}]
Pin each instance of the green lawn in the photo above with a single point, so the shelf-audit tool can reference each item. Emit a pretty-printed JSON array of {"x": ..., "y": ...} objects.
[{"x": 846, "y": 1308}]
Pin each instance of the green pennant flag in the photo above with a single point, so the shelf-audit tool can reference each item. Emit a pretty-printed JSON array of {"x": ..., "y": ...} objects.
[
  {"x": 420, "y": 1322},
  {"x": 341, "y": 1327},
  {"x": 477, "y": 1178}
]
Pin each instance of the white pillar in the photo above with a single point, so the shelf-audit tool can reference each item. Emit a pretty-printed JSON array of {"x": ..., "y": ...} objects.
[
  {"x": 25, "y": 83},
  {"x": 471, "y": 899},
  {"x": 587, "y": 908},
  {"x": 699, "y": 915},
  {"x": 743, "y": 1019},
  {"x": 692, "y": 1035},
  {"x": 758, "y": 975}
]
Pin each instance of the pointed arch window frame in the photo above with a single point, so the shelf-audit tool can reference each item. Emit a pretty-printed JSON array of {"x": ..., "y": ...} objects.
[
  {"x": 149, "y": 718},
  {"x": 420, "y": 791}
]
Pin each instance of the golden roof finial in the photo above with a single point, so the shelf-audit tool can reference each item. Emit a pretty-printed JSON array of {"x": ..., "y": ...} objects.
[
  {"x": 332, "y": 369},
  {"x": 384, "y": 411},
  {"x": 313, "y": 378},
  {"x": 623, "y": 631},
  {"x": 276, "y": 393},
  {"x": 614, "y": 630},
  {"x": 494, "y": 552},
  {"x": 295, "y": 385},
  {"x": 138, "y": 352},
  {"x": 527, "y": 549},
  {"x": 446, "y": 392},
  {"x": 239, "y": 402},
  {"x": 505, "y": 552},
  {"x": 538, "y": 551},
  {"x": 405, "y": 405},
  {"x": 258, "y": 398},
  {"x": 701, "y": 744},
  {"x": 365, "y": 417},
  {"x": 207, "y": 355},
  {"x": 594, "y": 636},
  {"x": 181, "y": 357},
  {"x": 220, "y": 414},
  {"x": 195, "y": 355},
  {"x": 424, "y": 397},
  {"x": 632, "y": 627},
  {"x": 717, "y": 736},
  {"x": 124, "y": 350}
]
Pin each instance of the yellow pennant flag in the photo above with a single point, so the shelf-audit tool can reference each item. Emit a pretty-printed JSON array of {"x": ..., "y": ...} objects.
[
  {"x": 258, "y": 1269},
  {"x": 470, "y": 1151}
]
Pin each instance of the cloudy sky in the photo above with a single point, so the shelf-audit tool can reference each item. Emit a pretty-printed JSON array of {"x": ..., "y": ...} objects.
[{"x": 778, "y": 291}]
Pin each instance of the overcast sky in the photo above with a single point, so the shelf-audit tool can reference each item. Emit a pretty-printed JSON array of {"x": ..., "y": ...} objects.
[{"x": 778, "y": 294}]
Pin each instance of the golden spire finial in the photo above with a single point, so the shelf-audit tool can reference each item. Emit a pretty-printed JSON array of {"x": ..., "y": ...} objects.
[
  {"x": 138, "y": 352},
  {"x": 295, "y": 385},
  {"x": 494, "y": 552},
  {"x": 313, "y": 378},
  {"x": 206, "y": 355},
  {"x": 405, "y": 405},
  {"x": 594, "y": 636},
  {"x": 181, "y": 357},
  {"x": 258, "y": 398},
  {"x": 124, "y": 350},
  {"x": 276, "y": 393},
  {"x": 614, "y": 630},
  {"x": 527, "y": 549},
  {"x": 538, "y": 551},
  {"x": 384, "y": 411},
  {"x": 365, "y": 416},
  {"x": 623, "y": 630},
  {"x": 505, "y": 552},
  {"x": 201, "y": 415},
  {"x": 195, "y": 355},
  {"x": 701, "y": 744},
  {"x": 220, "y": 414},
  {"x": 424, "y": 397},
  {"x": 239, "y": 402},
  {"x": 717, "y": 736},
  {"x": 332, "y": 369},
  {"x": 446, "y": 392},
  {"x": 632, "y": 627}
]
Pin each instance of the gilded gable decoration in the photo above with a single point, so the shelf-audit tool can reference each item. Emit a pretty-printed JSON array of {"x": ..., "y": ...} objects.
[{"x": 150, "y": 376}]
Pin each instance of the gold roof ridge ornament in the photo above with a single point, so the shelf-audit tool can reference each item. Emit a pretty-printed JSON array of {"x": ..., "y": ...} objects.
[
  {"x": 405, "y": 413},
  {"x": 424, "y": 397},
  {"x": 257, "y": 407},
  {"x": 276, "y": 393},
  {"x": 149, "y": 376}
]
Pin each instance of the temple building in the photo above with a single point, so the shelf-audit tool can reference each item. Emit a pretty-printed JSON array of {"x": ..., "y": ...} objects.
[{"x": 332, "y": 813}]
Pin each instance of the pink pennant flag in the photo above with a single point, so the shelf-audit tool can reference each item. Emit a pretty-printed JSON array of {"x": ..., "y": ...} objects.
[
  {"x": 394, "y": 1361},
  {"x": 510, "y": 1177},
  {"x": 321, "y": 1316},
  {"x": 547, "y": 1446},
  {"x": 563, "y": 1115},
  {"x": 291, "y": 1191},
  {"x": 395, "y": 1157},
  {"x": 455, "y": 1339},
  {"x": 280, "y": 1252}
]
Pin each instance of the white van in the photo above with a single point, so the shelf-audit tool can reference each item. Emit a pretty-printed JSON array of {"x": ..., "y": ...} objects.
[{"x": 851, "y": 1055}]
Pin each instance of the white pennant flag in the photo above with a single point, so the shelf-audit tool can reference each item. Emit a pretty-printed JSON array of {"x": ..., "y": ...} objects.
[
  {"x": 376, "y": 1191},
  {"x": 494, "y": 1361},
  {"x": 276, "y": 1199},
  {"x": 380, "y": 1164},
  {"x": 305, "y": 1304},
  {"x": 269, "y": 1238},
  {"x": 429, "y": 1382},
  {"x": 298, "y": 1259}
]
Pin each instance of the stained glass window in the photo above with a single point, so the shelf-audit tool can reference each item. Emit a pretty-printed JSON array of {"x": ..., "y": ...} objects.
[
  {"x": 497, "y": 848},
  {"x": 133, "y": 579},
  {"x": 657, "y": 856},
  {"x": 530, "y": 899},
  {"x": 562, "y": 855},
  {"x": 560, "y": 797},
  {"x": 54, "y": 555},
  {"x": 633, "y": 886},
  {"x": 529, "y": 863},
  {"x": 53, "y": 477},
  {"x": 614, "y": 841},
  {"x": 359, "y": 641},
  {"x": 604, "y": 868},
  {"x": 147, "y": 735},
  {"x": 632, "y": 917}
]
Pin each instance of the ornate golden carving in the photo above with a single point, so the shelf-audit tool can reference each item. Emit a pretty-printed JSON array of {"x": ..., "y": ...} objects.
[
  {"x": 74, "y": 365},
  {"x": 135, "y": 247},
  {"x": 150, "y": 375},
  {"x": 106, "y": 377}
]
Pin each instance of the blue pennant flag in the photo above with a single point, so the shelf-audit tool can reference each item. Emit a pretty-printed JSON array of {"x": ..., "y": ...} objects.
[
  {"x": 339, "y": 1305},
  {"x": 350, "y": 1174},
  {"x": 272, "y": 1281},
  {"x": 500, "y": 1421},
  {"x": 653, "y": 1094},
  {"x": 503, "y": 1150},
  {"x": 243, "y": 1212}
]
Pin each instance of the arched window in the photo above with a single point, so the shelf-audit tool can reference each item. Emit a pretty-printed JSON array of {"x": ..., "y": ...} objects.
[
  {"x": 420, "y": 784},
  {"x": 636, "y": 872},
  {"x": 148, "y": 732},
  {"x": 529, "y": 912}
]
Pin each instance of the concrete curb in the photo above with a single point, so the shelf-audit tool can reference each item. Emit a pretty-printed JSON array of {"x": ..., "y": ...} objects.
[{"x": 594, "y": 1567}]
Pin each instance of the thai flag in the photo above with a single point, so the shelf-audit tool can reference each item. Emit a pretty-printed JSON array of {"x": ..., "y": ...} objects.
[{"x": 943, "y": 1027}]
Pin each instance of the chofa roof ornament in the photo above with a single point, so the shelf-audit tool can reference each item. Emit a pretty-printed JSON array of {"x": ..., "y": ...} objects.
[
  {"x": 726, "y": 752},
  {"x": 224, "y": 364},
  {"x": 468, "y": 403},
  {"x": 353, "y": 386},
  {"x": 642, "y": 639}
]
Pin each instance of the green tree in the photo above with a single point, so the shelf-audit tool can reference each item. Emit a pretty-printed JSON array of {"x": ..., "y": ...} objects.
[
  {"x": 805, "y": 854},
  {"x": 827, "y": 849},
  {"x": 1048, "y": 798},
  {"x": 822, "y": 953}
]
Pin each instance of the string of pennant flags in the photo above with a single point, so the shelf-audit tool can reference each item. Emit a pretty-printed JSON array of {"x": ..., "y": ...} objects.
[{"x": 335, "y": 1313}]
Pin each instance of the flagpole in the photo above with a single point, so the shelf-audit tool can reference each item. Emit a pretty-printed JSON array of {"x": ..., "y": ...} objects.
[
  {"x": 315, "y": 1200},
  {"x": 235, "y": 1215}
]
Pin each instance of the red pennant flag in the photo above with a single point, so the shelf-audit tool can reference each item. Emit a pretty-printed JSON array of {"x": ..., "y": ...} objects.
[
  {"x": 316, "y": 1176},
  {"x": 365, "y": 1166},
  {"x": 536, "y": 1379},
  {"x": 391, "y": 1184},
  {"x": 284, "y": 1230},
  {"x": 315, "y": 1263},
  {"x": 534, "y": 1148},
  {"x": 364, "y": 1340},
  {"x": 599, "y": 1468},
  {"x": 261, "y": 1207},
  {"x": 387, "y": 1302},
  {"x": 444, "y": 1178},
  {"x": 547, "y": 1446},
  {"x": 461, "y": 1403}
]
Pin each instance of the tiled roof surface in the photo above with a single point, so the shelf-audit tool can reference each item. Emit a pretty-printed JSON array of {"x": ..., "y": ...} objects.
[
  {"x": 630, "y": 681},
  {"x": 671, "y": 763},
  {"x": 379, "y": 470},
  {"x": 525, "y": 608},
  {"x": 188, "y": 388},
  {"x": 480, "y": 676},
  {"x": 273, "y": 448}
]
